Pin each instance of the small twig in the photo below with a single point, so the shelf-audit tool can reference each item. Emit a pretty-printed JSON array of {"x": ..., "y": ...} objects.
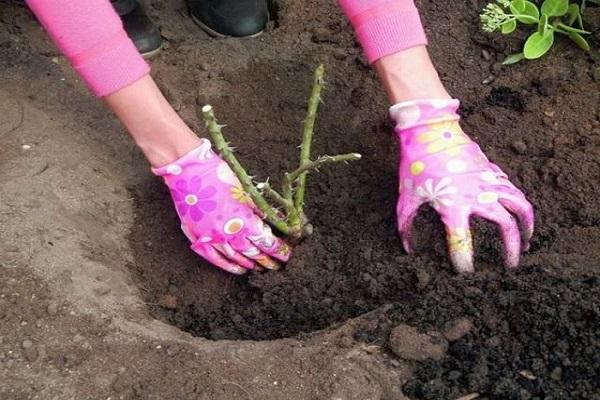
[
  {"x": 312, "y": 165},
  {"x": 225, "y": 151},
  {"x": 307, "y": 135},
  {"x": 296, "y": 218},
  {"x": 266, "y": 188}
]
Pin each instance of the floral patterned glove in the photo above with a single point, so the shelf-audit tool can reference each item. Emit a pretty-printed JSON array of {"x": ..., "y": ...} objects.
[
  {"x": 441, "y": 166},
  {"x": 217, "y": 216}
]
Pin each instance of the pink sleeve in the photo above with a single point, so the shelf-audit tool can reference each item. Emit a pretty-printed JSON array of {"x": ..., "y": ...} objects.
[
  {"x": 90, "y": 34},
  {"x": 384, "y": 27}
]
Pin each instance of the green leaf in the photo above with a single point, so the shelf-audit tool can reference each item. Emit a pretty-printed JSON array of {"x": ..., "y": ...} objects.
[
  {"x": 530, "y": 10},
  {"x": 555, "y": 8},
  {"x": 572, "y": 13},
  {"x": 525, "y": 11},
  {"x": 543, "y": 25},
  {"x": 581, "y": 42},
  {"x": 537, "y": 45},
  {"x": 517, "y": 6},
  {"x": 509, "y": 26},
  {"x": 513, "y": 58}
]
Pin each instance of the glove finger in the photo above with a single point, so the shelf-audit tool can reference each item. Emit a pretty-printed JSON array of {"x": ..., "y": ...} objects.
[
  {"x": 210, "y": 254},
  {"x": 229, "y": 252},
  {"x": 406, "y": 212},
  {"x": 249, "y": 250},
  {"x": 459, "y": 239},
  {"x": 519, "y": 206},
  {"x": 279, "y": 249},
  {"x": 509, "y": 231},
  {"x": 266, "y": 261},
  {"x": 270, "y": 244}
]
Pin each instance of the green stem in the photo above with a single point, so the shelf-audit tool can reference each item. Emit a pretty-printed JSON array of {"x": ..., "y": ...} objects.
[
  {"x": 569, "y": 29},
  {"x": 295, "y": 214},
  {"x": 291, "y": 177},
  {"x": 307, "y": 135},
  {"x": 296, "y": 218},
  {"x": 226, "y": 152},
  {"x": 531, "y": 19},
  {"x": 266, "y": 188}
]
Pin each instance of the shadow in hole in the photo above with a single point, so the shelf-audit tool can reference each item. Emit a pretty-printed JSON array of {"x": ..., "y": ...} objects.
[{"x": 345, "y": 269}]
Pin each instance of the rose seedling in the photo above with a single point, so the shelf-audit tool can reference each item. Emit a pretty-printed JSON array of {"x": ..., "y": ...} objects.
[{"x": 282, "y": 209}]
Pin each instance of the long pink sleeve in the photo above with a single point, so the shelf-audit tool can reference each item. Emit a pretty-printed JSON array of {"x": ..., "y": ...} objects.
[
  {"x": 90, "y": 34},
  {"x": 384, "y": 27}
]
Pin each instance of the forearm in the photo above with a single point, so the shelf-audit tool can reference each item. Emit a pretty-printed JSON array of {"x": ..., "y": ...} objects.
[
  {"x": 155, "y": 127},
  {"x": 409, "y": 74},
  {"x": 392, "y": 37},
  {"x": 384, "y": 27},
  {"x": 90, "y": 34}
]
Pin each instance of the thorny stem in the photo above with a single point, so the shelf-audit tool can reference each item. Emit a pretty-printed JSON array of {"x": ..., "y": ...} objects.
[
  {"x": 307, "y": 135},
  {"x": 294, "y": 224},
  {"x": 291, "y": 177},
  {"x": 296, "y": 217},
  {"x": 266, "y": 188},
  {"x": 225, "y": 151}
]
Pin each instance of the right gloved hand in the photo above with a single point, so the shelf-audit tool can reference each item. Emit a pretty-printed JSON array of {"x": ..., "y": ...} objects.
[
  {"x": 217, "y": 216},
  {"x": 440, "y": 165}
]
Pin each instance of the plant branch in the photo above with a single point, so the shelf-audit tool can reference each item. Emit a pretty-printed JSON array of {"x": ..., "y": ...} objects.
[
  {"x": 307, "y": 135},
  {"x": 266, "y": 188},
  {"x": 312, "y": 165},
  {"x": 216, "y": 134},
  {"x": 291, "y": 177}
]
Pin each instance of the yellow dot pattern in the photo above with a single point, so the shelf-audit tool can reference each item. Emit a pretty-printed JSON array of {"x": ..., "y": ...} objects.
[{"x": 417, "y": 167}]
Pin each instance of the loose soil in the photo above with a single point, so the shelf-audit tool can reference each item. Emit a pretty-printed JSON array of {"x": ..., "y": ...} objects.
[{"x": 535, "y": 332}]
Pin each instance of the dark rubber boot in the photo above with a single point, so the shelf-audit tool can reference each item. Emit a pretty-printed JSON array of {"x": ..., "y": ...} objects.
[
  {"x": 237, "y": 18},
  {"x": 123, "y": 7},
  {"x": 140, "y": 29}
]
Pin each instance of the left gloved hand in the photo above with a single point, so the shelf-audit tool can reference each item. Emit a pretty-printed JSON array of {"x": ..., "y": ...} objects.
[
  {"x": 440, "y": 165},
  {"x": 217, "y": 216}
]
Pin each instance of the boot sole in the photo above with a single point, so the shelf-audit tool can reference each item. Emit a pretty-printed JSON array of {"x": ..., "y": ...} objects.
[
  {"x": 151, "y": 53},
  {"x": 214, "y": 33}
]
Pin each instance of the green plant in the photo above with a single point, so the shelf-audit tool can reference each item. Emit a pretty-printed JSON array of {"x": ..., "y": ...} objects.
[
  {"x": 553, "y": 16},
  {"x": 287, "y": 214}
]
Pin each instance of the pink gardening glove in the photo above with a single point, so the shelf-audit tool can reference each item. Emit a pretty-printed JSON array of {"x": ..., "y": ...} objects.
[
  {"x": 217, "y": 216},
  {"x": 441, "y": 166}
]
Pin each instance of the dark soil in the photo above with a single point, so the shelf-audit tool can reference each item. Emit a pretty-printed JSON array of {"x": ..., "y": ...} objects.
[
  {"x": 535, "y": 335},
  {"x": 539, "y": 120}
]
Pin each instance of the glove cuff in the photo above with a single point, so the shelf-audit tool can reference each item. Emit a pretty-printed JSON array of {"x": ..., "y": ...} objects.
[
  {"x": 202, "y": 155},
  {"x": 409, "y": 114}
]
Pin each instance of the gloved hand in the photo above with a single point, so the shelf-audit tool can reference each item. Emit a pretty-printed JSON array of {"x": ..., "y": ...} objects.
[
  {"x": 441, "y": 166},
  {"x": 217, "y": 216}
]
